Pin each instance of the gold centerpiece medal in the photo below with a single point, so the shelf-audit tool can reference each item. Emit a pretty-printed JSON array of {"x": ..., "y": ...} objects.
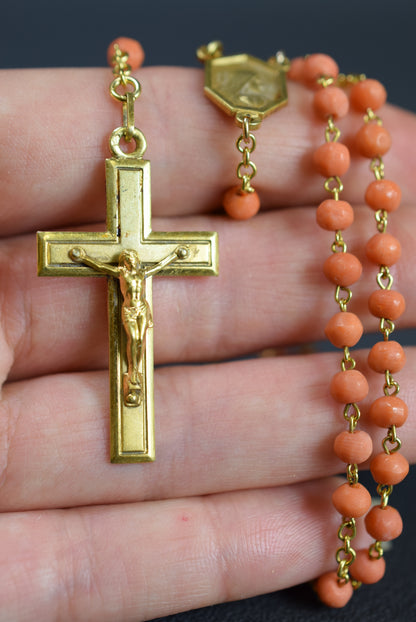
[
  {"x": 248, "y": 89},
  {"x": 130, "y": 254}
]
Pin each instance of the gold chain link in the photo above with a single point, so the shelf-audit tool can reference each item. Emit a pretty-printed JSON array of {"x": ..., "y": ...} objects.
[
  {"x": 384, "y": 274},
  {"x": 246, "y": 144},
  {"x": 377, "y": 166},
  {"x": 125, "y": 89}
]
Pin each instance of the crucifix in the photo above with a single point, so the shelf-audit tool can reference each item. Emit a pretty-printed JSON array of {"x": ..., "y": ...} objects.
[{"x": 129, "y": 253}]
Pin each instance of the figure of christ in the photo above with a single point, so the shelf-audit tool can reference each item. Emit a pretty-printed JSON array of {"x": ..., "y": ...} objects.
[{"x": 136, "y": 313}]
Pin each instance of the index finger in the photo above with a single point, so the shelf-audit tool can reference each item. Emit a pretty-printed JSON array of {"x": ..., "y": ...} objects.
[{"x": 54, "y": 139}]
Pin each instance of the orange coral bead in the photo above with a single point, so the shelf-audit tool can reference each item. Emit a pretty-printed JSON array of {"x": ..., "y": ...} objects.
[
  {"x": 368, "y": 94},
  {"x": 133, "y": 49},
  {"x": 331, "y": 592},
  {"x": 318, "y": 65},
  {"x": 372, "y": 140},
  {"x": 331, "y": 102},
  {"x": 241, "y": 205},
  {"x": 334, "y": 215},
  {"x": 296, "y": 68},
  {"x": 349, "y": 386},
  {"x": 353, "y": 447},
  {"x": 367, "y": 569},
  {"x": 352, "y": 500},
  {"x": 383, "y": 194},
  {"x": 383, "y": 249},
  {"x": 332, "y": 159},
  {"x": 386, "y": 355},
  {"x": 389, "y": 469},
  {"x": 344, "y": 329},
  {"x": 384, "y": 524},
  {"x": 386, "y": 303},
  {"x": 342, "y": 269},
  {"x": 388, "y": 410}
]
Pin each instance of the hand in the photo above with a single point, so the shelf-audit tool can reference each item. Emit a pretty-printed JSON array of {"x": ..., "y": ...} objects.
[{"x": 238, "y": 500}]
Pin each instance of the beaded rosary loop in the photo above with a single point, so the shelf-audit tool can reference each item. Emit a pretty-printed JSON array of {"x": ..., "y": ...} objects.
[{"x": 349, "y": 386}]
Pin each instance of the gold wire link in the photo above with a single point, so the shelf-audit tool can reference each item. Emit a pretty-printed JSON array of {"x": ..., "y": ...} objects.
[
  {"x": 334, "y": 186},
  {"x": 386, "y": 328},
  {"x": 352, "y": 474},
  {"x": 343, "y": 80},
  {"x": 128, "y": 116},
  {"x": 246, "y": 144},
  {"x": 350, "y": 525},
  {"x": 384, "y": 275},
  {"x": 129, "y": 81},
  {"x": 345, "y": 555},
  {"x": 347, "y": 362},
  {"x": 339, "y": 243},
  {"x": 382, "y": 220},
  {"x": 393, "y": 439},
  {"x": 214, "y": 49},
  {"x": 352, "y": 414},
  {"x": 119, "y": 60},
  {"x": 371, "y": 116},
  {"x": 384, "y": 491},
  {"x": 377, "y": 166},
  {"x": 325, "y": 81},
  {"x": 343, "y": 301},
  {"x": 376, "y": 550},
  {"x": 332, "y": 133},
  {"x": 131, "y": 91}
]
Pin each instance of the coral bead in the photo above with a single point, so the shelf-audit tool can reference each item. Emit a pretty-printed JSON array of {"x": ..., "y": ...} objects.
[
  {"x": 386, "y": 303},
  {"x": 332, "y": 159},
  {"x": 389, "y": 469},
  {"x": 349, "y": 386},
  {"x": 331, "y": 592},
  {"x": 344, "y": 329},
  {"x": 383, "y": 249},
  {"x": 384, "y": 524},
  {"x": 386, "y": 355},
  {"x": 367, "y": 569},
  {"x": 388, "y": 410},
  {"x": 241, "y": 205},
  {"x": 133, "y": 49},
  {"x": 296, "y": 69},
  {"x": 352, "y": 500},
  {"x": 342, "y": 269},
  {"x": 334, "y": 215},
  {"x": 383, "y": 194},
  {"x": 353, "y": 447},
  {"x": 368, "y": 94},
  {"x": 331, "y": 102},
  {"x": 317, "y": 66},
  {"x": 372, "y": 140}
]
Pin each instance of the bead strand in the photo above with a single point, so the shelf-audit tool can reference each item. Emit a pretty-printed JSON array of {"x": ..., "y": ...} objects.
[
  {"x": 344, "y": 329},
  {"x": 388, "y": 468}
]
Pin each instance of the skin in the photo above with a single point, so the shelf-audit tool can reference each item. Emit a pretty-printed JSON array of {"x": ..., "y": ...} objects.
[{"x": 238, "y": 501}]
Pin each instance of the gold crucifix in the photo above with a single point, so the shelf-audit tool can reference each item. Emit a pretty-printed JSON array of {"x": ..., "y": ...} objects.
[{"x": 130, "y": 253}]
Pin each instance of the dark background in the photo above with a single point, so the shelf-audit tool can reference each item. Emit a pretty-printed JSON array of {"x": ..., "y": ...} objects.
[{"x": 376, "y": 38}]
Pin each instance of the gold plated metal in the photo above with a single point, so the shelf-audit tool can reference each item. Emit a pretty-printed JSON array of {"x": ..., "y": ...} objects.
[
  {"x": 130, "y": 254},
  {"x": 248, "y": 89},
  {"x": 244, "y": 85}
]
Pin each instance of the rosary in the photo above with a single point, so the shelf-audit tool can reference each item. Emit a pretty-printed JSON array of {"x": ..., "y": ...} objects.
[{"x": 129, "y": 253}]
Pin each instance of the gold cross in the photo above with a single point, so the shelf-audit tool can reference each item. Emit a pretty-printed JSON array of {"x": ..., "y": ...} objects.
[{"x": 129, "y": 312}]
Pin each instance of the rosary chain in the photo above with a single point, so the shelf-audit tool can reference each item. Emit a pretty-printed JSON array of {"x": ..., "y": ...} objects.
[{"x": 246, "y": 144}]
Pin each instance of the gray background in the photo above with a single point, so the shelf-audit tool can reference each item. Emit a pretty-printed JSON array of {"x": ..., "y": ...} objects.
[{"x": 376, "y": 38}]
